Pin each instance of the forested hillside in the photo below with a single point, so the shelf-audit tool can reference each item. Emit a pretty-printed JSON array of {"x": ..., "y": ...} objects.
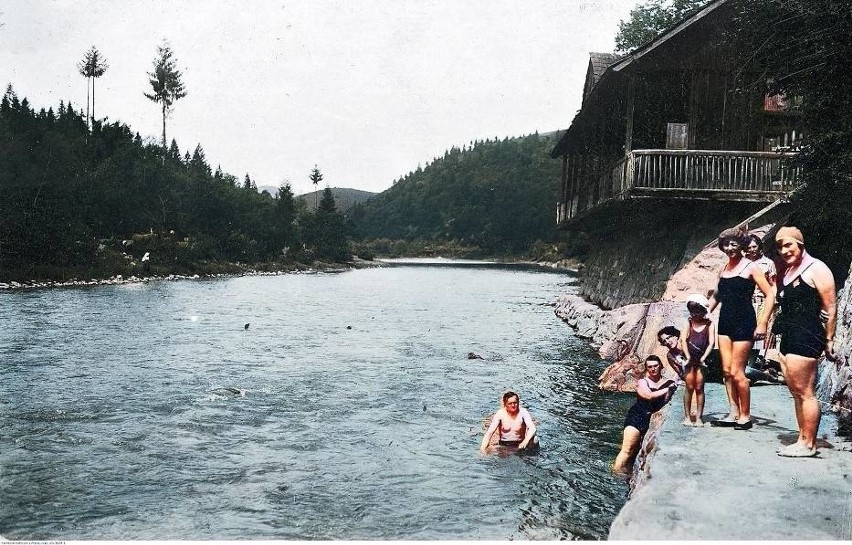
[
  {"x": 79, "y": 201},
  {"x": 497, "y": 196},
  {"x": 345, "y": 197}
]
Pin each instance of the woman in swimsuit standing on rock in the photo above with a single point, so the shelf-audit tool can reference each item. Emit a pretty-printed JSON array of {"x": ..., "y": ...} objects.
[
  {"x": 806, "y": 291},
  {"x": 738, "y": 327}
]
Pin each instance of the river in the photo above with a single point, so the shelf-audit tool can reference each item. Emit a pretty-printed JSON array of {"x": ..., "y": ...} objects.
[{"x": 301, "y": 406}]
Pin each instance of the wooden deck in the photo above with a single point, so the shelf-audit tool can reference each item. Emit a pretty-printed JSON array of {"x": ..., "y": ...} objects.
[{"x": 684, "y": 174}]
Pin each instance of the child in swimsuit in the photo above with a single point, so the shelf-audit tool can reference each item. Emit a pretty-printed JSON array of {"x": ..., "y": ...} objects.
[{"x": 696, "y": 341}]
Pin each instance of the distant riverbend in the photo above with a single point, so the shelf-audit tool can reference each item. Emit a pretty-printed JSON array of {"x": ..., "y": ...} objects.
[{"x": 301, "y": 406}]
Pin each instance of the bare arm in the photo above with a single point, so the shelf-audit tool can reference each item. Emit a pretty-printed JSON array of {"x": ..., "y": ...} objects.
[
  {"x": 530, "y": 430},
  {"x": 769, "y": 303},
  {"x": 684, "y": 335},
  {"x": 644, "y": 392},
  {"x": 713, "y": 302},
  {"x": 495, "y": 423},
  {"x": 824, "y": 283},
  {"x": 711, "y": 341}
]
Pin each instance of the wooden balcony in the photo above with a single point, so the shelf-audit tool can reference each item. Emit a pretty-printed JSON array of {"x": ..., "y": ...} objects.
[{"x": 683, "y": 174}]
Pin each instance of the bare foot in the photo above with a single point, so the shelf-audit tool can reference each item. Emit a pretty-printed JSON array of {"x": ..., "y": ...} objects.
[
  {"x": 698, "y": 423},
  {"x": 686, "y": 422},
  {"x": 797, "y": 450}
]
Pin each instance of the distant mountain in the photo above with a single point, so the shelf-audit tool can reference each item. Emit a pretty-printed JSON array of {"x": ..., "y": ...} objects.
[
  {"x": 344, "y": 197},
  {"x": 498, "y": 195}
]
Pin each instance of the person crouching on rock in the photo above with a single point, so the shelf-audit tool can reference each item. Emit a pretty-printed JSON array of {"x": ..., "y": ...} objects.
[
  {"x": 652, "y": 393},
  {"x": 806, "y": 292},
  {"x": 515, "y": 424},
  {"x": 697, "y": 341}
]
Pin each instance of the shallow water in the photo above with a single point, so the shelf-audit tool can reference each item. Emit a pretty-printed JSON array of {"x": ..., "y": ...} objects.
[{"x": 347, "y": 410}]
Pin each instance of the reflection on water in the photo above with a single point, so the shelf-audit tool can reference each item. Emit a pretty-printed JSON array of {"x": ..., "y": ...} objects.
[{"x": 348, "y": 410}]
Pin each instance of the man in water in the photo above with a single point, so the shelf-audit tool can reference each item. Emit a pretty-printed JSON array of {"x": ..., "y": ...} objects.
[{"x": 515, "y": 424}]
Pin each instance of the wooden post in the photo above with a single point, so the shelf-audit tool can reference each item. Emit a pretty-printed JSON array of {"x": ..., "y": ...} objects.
[
  {"x": 564, "y": 181},
  {"x": 629, "y": 110}
]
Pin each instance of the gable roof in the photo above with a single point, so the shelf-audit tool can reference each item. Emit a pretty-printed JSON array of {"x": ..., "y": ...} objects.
[
  {"x": 665, "y": 36},
  {"x": 598, "y": 63},
  {"x": 620, "y": 63}
]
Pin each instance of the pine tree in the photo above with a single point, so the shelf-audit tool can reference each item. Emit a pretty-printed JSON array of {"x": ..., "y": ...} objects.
[
  {"x": 316, "y": 178},
  {"x": 166, "y": 83},
  {"x": 92, "y": 67},
  {"x": 327, "y": 204},
  {"x": 174, "y": 151}
]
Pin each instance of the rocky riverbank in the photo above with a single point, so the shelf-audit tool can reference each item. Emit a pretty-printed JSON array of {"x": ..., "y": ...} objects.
[
  {"x": 675, "y": 469},
  {"x": 133, "y": 279}
]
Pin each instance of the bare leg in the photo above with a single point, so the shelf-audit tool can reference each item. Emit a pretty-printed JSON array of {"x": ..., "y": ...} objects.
[
  {"x": 726, "y": 347},
  {"x": 629, "y": 447},
  {"x": 740, "y": 353},
  {"x": 797, "y": 401},
  {"x": 699, "y": 396},
  {"x": 687, "y": 398},
  {"x": 801, "y": 373}
]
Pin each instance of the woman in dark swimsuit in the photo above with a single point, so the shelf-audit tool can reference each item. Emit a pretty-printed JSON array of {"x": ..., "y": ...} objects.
[
  {"x": 806, "y": 291},
  {"x": 738, "y": 327},
  {"x": 652, "y": 393}
]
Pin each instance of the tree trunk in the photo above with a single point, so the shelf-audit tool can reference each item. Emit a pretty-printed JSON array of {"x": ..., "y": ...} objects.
[
  {"x": 93, "y": 101},
  {"x": 87, "y": 104},
  {"x": 165, "y": 149}
]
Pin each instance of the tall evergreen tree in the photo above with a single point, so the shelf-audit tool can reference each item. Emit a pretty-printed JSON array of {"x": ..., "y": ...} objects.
[
  {"x": 166, "y": 81},
  {"x": 174, "y": 151},
  {"x": 316, "y": 178},
  {"x": 92, "y": 67},
  {"x": 285, "y": 217},
  {"x": 327, "y": 203}
]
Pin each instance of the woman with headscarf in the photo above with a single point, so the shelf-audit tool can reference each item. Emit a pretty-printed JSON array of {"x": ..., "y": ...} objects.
[
  {"x": 738, "y": 326},
  {"x": 806, "y": 293}
]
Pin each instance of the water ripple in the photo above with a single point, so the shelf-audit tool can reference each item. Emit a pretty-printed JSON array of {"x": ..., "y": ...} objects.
[{"x": 156, "y": 415}]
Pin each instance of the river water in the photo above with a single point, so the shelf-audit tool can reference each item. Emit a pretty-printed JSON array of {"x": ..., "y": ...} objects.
[{"x": 346, "y": 409}]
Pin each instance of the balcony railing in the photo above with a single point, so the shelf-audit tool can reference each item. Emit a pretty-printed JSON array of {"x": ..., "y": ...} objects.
[{"x": 686, "y": 174}]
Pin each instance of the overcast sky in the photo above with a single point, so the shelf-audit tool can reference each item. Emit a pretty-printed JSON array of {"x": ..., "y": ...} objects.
[{"x": 367, "y": 90}]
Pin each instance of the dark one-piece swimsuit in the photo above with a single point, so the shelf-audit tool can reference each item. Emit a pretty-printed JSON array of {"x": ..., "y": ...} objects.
[
  {"x": 639, "y": 414},
  {"x": 736, "y": 319},
  {"x": 800, "y": 306}
]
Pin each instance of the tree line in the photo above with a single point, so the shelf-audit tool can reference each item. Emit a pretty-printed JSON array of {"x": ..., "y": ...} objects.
[
  {"x": 77, "y": 201},
  {"x": 494, "y": 196}
]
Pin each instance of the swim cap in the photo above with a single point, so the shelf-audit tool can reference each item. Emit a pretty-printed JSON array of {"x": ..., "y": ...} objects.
[
  {"x": 792, "y": 233},
  {"x": 701, "y": 300}
]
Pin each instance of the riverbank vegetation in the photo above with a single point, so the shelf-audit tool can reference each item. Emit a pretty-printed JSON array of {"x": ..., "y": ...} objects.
[{"x": 78, "y": 202}]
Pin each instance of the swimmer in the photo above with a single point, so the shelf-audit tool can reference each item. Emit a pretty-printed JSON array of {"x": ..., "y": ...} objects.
[
  {"x": 652, "y": 393},
  {"x": 515, "y": 425}
]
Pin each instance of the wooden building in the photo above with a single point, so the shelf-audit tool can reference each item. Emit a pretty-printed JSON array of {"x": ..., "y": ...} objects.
[{"x": 677, "y": 118}]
